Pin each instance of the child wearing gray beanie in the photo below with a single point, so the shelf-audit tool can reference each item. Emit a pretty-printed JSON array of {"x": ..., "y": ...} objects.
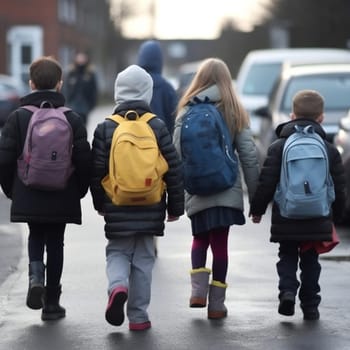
[
  {"x": 133, "y": 84},
  {"x": 130, "y": 229}
]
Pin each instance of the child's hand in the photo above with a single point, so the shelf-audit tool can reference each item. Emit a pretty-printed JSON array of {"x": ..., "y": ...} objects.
[
  {"x": 172, "y": 218},
  {"x": 256, "y": 218}
]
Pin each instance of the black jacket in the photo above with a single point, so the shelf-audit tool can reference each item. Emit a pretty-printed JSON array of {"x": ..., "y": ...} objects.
[
  {"x": 30, "y": 205},
  {"x": 131, "y": 220},
  {"x": 283, "y": 229}
]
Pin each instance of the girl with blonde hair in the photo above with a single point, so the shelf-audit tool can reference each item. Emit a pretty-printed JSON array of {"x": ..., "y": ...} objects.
[{"x": 212, "y": 215}]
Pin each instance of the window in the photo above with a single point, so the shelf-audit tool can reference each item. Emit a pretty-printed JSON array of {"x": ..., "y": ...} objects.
[
  {"x": 261, "y": 78},
  {"x": 335, "y": 88},
  {"x": 67, "y": 11}
]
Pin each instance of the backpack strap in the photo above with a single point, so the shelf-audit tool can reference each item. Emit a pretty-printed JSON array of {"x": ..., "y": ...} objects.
[
  {"x": 147, "y": 116},
  {"x": 116, "y": 118},
  {"x": 119, "y": 119},
  {"x": 32, "y": 108}
]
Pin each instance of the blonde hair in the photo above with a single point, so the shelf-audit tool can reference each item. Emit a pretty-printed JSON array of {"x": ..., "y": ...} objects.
[{"x": 214, "y": 71}]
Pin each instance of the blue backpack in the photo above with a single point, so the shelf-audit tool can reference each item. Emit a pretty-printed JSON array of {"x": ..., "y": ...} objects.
[
  {"x": 306, "y": 188},
  {"x": 210, "y": 164}
]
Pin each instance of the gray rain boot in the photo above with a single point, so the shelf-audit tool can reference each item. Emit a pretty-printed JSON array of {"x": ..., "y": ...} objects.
[
  {"x": 200, "y": 285},
  {"x": 52, "y": 310},
  {"x": 216, "y": 306},
  {"x": 36, "y": 285}
]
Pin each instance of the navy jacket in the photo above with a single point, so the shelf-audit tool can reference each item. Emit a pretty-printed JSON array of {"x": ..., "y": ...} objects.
[{"x": 164, "y": 100}]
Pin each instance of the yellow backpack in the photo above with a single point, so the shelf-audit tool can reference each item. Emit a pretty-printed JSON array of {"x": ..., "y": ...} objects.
[{"x": 136, "y": 165}]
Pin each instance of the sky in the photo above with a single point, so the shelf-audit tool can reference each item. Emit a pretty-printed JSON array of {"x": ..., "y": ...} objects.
[{"x": 189, "y": 19}]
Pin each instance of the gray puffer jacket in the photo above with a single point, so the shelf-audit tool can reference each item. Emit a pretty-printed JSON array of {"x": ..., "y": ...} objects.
[{"x": 245, "y": 148}]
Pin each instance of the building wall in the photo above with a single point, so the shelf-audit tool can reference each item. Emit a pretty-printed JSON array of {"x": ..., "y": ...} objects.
[{"x": 67, "y": 26}]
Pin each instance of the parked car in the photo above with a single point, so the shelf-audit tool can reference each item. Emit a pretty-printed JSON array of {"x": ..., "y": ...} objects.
[
  {"x": 261, "y": 69},
  {"x": 332, "y": 81},
  {"x": 186, "y": 73},
  {"x": 342, "y": 142},
  {"x": 11, "y": 90}
]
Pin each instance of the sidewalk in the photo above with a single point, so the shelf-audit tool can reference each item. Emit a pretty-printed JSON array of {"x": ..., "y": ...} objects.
[
  {"x": 252, "y": 323},
  {"x": 11, "y": 240}
]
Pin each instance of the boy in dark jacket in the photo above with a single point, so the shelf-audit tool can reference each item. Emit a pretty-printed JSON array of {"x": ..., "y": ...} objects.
[
  {"x": 46, "y": 212},
  {"x": 130, "y": 228},
  {"x": 292, "y": 234}
]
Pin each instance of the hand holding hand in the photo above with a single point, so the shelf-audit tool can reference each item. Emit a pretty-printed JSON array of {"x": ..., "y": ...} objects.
[{"x": 256, "y": 218}]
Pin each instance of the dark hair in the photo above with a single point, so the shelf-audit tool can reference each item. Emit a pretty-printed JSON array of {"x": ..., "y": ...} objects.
[
  {"x": 308, "y": 104},
  {"x": 45, "y": 73}
]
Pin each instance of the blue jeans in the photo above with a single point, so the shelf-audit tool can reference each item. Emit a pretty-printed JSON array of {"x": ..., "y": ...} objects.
[{"x": 287, "y": 267}]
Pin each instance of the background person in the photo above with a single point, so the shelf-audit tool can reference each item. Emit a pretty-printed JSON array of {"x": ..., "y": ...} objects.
[
  {"x": 164, "y": 98},
  {"x": 80, "y": 86}
]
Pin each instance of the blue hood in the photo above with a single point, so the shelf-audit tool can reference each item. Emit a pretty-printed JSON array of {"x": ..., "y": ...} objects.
[{"x": 150, "y": 57}]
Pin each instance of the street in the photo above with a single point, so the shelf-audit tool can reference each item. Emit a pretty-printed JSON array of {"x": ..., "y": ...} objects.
[{"x": 252, "y": 323}]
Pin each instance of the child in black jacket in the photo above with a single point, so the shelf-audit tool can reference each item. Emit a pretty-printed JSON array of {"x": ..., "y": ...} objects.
[
  {"x": 45, "y": 212},
  {"x": 292, "y": 234},
  {"x": 130, "y": 229}
]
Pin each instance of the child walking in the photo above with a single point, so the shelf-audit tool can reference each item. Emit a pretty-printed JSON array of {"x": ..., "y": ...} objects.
[
  {"x": 293, "y": 234},
  {"x": 130, "y": 229},
  {"x": 46, "y": 212},
  {"x": 212, "y": 215}
]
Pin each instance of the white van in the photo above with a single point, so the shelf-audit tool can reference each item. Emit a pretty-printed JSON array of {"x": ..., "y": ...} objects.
[{"x": 261, "y": 68}]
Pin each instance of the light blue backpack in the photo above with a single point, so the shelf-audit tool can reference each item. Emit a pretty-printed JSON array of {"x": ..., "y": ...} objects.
[{"x": 306, "y": 188}]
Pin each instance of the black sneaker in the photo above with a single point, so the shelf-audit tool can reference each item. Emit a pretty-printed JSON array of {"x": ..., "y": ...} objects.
[
  {"x": 287, "y": 303},
  {"x": 311, "y": 314}
]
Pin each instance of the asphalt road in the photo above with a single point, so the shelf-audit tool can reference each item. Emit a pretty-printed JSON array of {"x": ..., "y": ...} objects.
[{"x": 252, "y": 322}]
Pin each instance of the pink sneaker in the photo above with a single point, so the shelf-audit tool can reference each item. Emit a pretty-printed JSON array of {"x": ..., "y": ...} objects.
[
  {"x": 115, "y": 308},
  {"x": 140, "y": 326}
]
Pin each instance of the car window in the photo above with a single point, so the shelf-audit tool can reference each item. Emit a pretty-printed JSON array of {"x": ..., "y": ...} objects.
[
  {"x": 184, "y": 81},
  {"x": 335, "y": 88},
  {"x": 261, "y": 78}
]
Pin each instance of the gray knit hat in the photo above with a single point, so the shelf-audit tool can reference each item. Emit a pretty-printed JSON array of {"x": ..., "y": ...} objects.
[{"x": 133, "y": 84}]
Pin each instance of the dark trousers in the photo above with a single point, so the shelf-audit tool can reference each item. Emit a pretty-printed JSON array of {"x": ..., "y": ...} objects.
[
  {"x": 287, "y": 267},
  {"x": 51, "y": 237}
]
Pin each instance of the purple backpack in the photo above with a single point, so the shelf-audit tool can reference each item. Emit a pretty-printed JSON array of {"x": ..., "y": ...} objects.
[{"x": 46, "y": 160}]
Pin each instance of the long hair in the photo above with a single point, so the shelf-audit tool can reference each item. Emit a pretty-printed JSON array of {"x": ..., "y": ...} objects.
[{"x": 214, "y": 71}]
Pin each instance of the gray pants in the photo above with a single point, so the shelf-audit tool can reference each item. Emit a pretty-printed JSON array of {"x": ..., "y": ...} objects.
[{"x": 130, "y": 262}]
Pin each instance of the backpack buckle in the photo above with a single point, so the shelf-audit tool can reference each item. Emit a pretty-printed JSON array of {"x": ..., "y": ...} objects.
[
  {"x": 131, "y": 115},
  {"x": 46, "y": 104}
]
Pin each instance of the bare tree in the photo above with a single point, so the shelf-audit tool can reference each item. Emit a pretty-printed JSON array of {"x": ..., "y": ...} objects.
[{"x": 315, "y": 22}]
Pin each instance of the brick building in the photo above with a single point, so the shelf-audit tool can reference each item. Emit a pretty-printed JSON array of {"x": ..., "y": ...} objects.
[{"x": 29, "y": 29}]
